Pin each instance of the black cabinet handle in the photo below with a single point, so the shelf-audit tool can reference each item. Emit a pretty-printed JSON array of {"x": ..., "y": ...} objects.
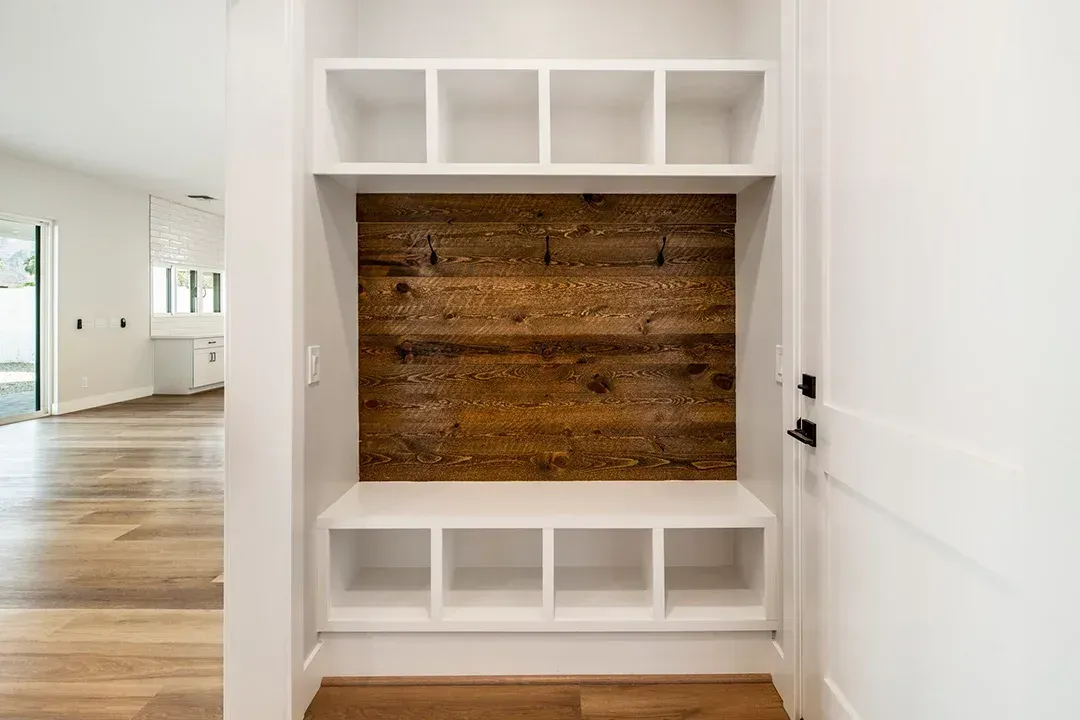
[{"x": 805, "y": 432}]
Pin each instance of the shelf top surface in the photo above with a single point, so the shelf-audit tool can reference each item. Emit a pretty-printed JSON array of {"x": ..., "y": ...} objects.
[{"x": 506, "y": 505}]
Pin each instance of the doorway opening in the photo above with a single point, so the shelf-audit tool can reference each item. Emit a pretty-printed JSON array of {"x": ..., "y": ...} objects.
[{"x": 25, "y": 386}]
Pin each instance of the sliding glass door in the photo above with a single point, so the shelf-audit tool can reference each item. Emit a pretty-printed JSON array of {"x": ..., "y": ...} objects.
[{"x": 21, "y": 386}]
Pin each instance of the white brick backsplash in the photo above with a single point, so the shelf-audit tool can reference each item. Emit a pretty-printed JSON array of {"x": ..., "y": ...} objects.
[{"x": 180, "y": 235}]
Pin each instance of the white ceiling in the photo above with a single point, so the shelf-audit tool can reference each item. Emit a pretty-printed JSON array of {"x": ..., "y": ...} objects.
[{"x": 133, "y": 90}]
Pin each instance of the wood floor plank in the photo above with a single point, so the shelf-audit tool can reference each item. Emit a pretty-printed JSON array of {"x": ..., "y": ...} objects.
[
  {"x": 753, "y": 701},
  {"x": 111, "y": 534},
  {"x": 502, "y": 702},
  {"x": 170, "y": 705},
  {"x": 74, "y": 701}
]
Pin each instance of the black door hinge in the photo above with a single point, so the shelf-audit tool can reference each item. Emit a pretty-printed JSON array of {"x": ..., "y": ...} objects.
[{"x": 805, "y": 432}]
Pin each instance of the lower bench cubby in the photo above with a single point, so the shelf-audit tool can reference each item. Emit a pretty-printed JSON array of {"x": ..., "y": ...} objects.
[
  {"x": 714, "y": 574},
  {"x": 663, "y": 557},
  {"x": 493, "y": 575},
  {"x": 603, "y": 575},
  {"x": 379, "y": 575}
]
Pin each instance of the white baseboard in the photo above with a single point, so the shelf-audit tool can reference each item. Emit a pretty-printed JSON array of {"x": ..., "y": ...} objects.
[
  {"x": 837, "y": 706},
  {"x": 62, "y": 408},
  {"x": 309, "y": 683},
  {"x": 465, "y": 654}
]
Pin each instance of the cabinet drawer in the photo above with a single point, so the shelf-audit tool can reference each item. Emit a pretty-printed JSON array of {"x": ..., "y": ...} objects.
[{"x": 214, "y": 342}]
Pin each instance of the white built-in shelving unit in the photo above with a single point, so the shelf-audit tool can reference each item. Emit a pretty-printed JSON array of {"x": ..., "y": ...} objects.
[
  {"x": 411, "y": 117},
  {"x": 538, "y": 557}
]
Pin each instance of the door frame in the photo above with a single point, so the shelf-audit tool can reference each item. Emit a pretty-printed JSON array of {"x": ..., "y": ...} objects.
[
  {"x": 804, "y": 272},
  {"x": 46, "y": 309}
]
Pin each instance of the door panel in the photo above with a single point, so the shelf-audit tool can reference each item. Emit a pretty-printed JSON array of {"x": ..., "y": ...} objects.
[{"x": 909, "y": 502}]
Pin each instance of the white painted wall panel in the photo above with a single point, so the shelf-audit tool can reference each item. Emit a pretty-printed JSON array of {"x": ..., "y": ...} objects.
[{"x": 103, "y": 262}]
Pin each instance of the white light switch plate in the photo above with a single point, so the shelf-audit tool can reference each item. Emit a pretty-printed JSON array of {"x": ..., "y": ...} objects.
[
  {"x": 313, "y": 365},
  {"x": 779, "y": 364},
  {"x": 114, "y": 323},
  {"x": 100, "y": 323}
]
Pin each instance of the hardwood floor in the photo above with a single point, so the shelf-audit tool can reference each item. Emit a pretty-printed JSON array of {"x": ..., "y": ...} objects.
[
  {"x": 111, "y": 594},
  {"x": 729, "y": 701},
  {"x": 111, "y": 547}
]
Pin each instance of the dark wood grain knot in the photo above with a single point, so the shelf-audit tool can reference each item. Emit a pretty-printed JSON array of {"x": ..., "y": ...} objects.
[
  {"x": 724, "y": 382},
  {"x": 583, "y": 360},
  {"x": 428, "y": 458},
  {"x": 547, "y": 351},
  {"x": 449, "y": 315},
  {"x": 560, "y": 461},
  {"x": 518, "y": 317},
  {"x": 371, "y": 404},
  {"x": 696, "y": 368},
  {"x": 599, "y": 387},
  {"x": 406, "y": 346},
  {"x": 402, "y": 288},
  {"x": 408, "y": 358},
  {"x": 592, "y": 198}
]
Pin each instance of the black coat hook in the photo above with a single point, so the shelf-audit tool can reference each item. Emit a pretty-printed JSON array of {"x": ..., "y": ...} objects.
[
  {"x": 660, "y": 255},
  {"x": 434, "y": 258},
  {"x": 547, "y": 250}
]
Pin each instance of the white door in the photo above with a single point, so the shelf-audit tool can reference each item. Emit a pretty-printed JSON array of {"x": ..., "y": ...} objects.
[{"x": 908, "y": 252}]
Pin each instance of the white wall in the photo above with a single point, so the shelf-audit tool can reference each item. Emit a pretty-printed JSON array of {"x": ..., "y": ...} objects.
[
  {"x": 180, "y": 235},
  {"x": 920, "y": 405},
  {"x": 568, "y": 28},
  {"x": 102, "y": 259},
  {"x": 290, "y": 449},
  {"x": 759, "y": 406}
]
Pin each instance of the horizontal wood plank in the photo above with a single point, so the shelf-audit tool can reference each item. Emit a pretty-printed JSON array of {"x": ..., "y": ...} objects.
[
  {"x": 494, "y": 250},
  {"x": 627, "y": 350},
  {"x": 522, "y": 208}
]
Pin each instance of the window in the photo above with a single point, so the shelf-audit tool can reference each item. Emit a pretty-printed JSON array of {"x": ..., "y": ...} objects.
[
  {"x": 210, "y": 292},
  {"x": 161, "y": 282},
  {"x": 187, "y": 291}
]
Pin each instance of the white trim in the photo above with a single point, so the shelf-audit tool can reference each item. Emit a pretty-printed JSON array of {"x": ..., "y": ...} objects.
[
  {"x": 465, "y": 654},
  {"x": 309, "y": 683},
  {"x": 837, "y": 706},
  {"x": 321, "y": 65},
  {"x": 71, "y": 406}
]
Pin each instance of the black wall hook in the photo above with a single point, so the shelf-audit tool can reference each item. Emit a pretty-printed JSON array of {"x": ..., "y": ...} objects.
[
  {"x": 660, "y": 255},
  {"x": 547, "y": 250},
  {"x": 434, "y": 258}
]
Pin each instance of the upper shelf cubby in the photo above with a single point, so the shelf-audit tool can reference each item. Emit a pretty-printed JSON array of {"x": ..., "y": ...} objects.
[
  {"x": 375, "y": 116},
  {"x": 489, "y": 116},
  {"x": 716, "y": 118},
  {"x": 393, "y": 121},
  {"x": 603, "y": 116}
]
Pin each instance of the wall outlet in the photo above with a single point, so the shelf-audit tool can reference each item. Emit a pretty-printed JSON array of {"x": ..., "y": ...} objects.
[
  {"x": 86, "y": 382},
  {"x": 313, "y": 365}
]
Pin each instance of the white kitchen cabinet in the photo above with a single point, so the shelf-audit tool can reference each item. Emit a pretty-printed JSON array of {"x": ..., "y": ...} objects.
[{"x": 187, "y": 365}]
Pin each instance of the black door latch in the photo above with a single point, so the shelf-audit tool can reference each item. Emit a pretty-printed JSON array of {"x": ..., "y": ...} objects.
[
  {"x": 808, "y": 386},
  {"x": 805, "y": 432}
]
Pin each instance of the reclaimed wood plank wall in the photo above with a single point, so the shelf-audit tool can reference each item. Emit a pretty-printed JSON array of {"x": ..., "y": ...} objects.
[{"x": 492, "y": 365}]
